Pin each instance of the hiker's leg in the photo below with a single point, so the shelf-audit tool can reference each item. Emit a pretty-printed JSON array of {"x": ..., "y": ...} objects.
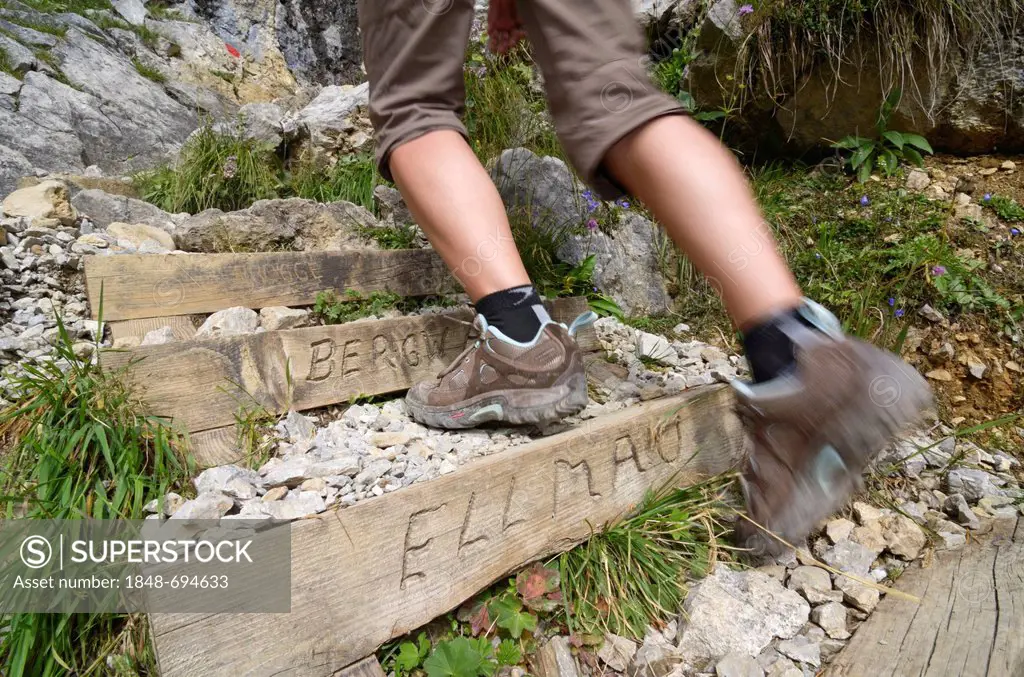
[
  {"x": 455, "y": 202},
  {"x": 831, "y": 401},
  {"x": 697, "y": 191},
  {"x": 522, "y": 367},
  {"x": 600, "y": 96},
  {"x": 414, "y": 52}
]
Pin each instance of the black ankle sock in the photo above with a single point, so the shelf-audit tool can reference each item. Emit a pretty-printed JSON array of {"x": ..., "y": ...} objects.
[
  {"x": 517, "y": 312},
  {"x": 769, "y": 349}
]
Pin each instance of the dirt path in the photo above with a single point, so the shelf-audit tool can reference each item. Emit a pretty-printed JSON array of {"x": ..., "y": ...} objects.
[{"x": 968, "y": 622}]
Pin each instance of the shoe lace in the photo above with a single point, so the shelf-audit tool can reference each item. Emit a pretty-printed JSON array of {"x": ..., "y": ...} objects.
[{"x": 477, "y": 333}]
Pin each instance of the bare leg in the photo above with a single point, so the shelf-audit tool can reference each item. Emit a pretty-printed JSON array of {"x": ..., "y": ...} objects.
[
  {"x": 457, "y": 205},
  {"x": 696, "y": 189}
]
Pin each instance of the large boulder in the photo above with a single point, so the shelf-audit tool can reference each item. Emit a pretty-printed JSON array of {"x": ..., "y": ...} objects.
[
  {"x": 737, "y": 611},
  {"x": 627, "y": 266},
  {"x": 45, "y": 200},
  {"x": 104, "y": 209},
  {"x": 964, "y": 97},
  {"x": 270, "y": 224},
  {"x": 330, "y": 120}
]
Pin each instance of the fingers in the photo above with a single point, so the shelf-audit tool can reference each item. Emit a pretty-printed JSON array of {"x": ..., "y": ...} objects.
[{"x": 504, "y": 29}]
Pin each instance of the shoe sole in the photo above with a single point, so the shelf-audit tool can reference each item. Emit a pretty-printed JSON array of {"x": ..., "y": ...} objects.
[
  {"x": 897, "y": 395},
  {"x": 520, "y": 406}
]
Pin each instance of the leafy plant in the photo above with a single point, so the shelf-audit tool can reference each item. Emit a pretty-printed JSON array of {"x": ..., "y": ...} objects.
[
  {"x": 333, "y": 310},
  {"x": 5, "y": 64},
  {"x": 80, "y": 446},
  {"x": 411, "y": 655},
  {"x": 887, "y": 150},
  {"x": 508, "y": 653},
  {"x": 1005, "y": 208},
  {"x": 539, "y": 587},
  {"x": 462, "y": 657}
]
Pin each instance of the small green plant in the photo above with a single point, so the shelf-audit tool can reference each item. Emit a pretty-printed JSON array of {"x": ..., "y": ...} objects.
[
  {"x": 411, "y": 655},
  {"x": 74, "y": 6},
  {"x": 887, "y": 150},
  {"x": 214, "y": 170},
  {"x": 148, "y": 72},
  {"x": 1005, "y": 208},
  {"x": 40, "y": 26},
  {"x": 80, "y": 446},
  {"x": 333, "y": 310},
  {"x": 5, "y": 64},
  {"x": 351, "y": 178},
  {"x": 634, "y": 572},
  {"x": 462, "y": 657}
]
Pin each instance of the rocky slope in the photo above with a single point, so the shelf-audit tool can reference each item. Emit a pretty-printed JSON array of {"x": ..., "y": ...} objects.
[{"x": 122, "y": 87}]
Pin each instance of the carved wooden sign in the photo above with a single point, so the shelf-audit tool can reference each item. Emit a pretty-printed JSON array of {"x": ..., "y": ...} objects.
[
  {"x": 203, "y": 384},
  {"x": 366, "y": 574},
  {"x": 140, "y": 286}
]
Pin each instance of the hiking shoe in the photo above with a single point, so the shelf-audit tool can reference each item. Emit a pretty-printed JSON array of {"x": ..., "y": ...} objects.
[
  {"x": 815, "y": 429},
  {"x": 499, "y": 379}
]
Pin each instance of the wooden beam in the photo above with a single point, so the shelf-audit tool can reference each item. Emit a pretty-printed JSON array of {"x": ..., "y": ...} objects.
[
  {"x": 182, "y": 326},
  {"x": 366, "y": 574},
  {"x": 968, "y": 622},
  {"x": 301, "y": 368},
  {"x": 368, "y": 667},
  {"x": 150, "y": 285}
]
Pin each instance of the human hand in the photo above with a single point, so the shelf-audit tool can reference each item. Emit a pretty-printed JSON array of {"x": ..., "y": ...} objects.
[{"x": 504, "y": 29}]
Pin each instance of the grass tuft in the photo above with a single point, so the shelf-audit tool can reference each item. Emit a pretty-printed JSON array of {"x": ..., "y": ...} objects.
[
  {"x": 148, "y": 72},
  {"x": 634, "y": 573},
  {"x": 80, "y": 446},
  {"x": 352, "y": 178},
  {"x": 213, "y": 171}
]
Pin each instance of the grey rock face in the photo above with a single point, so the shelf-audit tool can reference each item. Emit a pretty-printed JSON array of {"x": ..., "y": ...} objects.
[
  {"x": 257, "y": 121},
  {"x": 149, "y": 124},
  {"x": 627, "y": 264},
  {"x": 737, "y": 611},
  {"x": 270, "y": 224},
  {"x": 103, "y": 209},
  {"x": 13, "y": 166},
  {"x": 133, "y": 11},
  {"x": 320, "y": 40}
]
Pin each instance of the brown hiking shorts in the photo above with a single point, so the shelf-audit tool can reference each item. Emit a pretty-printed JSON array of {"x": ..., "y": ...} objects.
[{"x": 591, "y": 53}]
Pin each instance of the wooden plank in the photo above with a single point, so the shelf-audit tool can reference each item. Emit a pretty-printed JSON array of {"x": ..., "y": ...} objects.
[
  {"x": 301, "y": 368},
  {"x": 967, "y": 623},
  {"x": 365, "y": 574},
  {"x": 181, "y": 325},
  {"x": 219, "y": 446},
  {"x": 216, "y": 446},
  {"x": 368, "y": 667},
  {"x": 149, "y": 285}
]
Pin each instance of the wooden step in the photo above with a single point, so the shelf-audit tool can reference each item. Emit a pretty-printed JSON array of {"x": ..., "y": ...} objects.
[
  {"x": 151, "y": 285},
  {"x": 968, "y": 622},
  {"x": 297, "y": 369},
  {"x": 366, "y": 574}
]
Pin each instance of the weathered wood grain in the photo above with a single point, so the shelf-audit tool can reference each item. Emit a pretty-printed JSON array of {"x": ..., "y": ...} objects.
[
  {"x": 301, "y": 368},
  {"x": 368, "y": 667},
  {"x": 182, "y": 326},
  {"x": 968, "y": 622},
  {"x": 140, "y": 286},
  {"x": 366, "y": 574}
]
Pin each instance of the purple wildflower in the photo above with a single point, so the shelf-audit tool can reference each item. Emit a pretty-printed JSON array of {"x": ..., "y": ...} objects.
[
  {"x": 986, "y": 197},
  {"x": 892, "y": 301},
  {"x": 864, "y": 201},
  {"x": 899, "y": 312},
  {"x": 746, "y": 9},
  {"x": 938, "y": 271},
  {"x": 592, "y": 224},
  {"x": 817, "y": 255},
  {"x": 1014, "y": 232},
  {"x": 623, "y": 203}
]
